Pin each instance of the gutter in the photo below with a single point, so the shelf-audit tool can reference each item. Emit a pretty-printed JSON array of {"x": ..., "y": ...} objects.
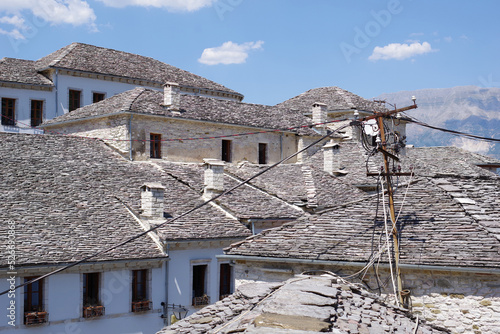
[
  {"x": 57, "y": 90},
  {"x": 495, "y": 271},
  {"x": 130, "y": 136}
]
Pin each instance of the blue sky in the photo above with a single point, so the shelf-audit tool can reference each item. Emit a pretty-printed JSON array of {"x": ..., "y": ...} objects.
[{"x": 272, "y": 50}]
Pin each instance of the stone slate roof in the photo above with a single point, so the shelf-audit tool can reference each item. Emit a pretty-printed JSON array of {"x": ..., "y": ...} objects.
[
  {"x": 66, "y": 197},
  {"x": 334, "y": 97},
  {"x": 149, "y": 102},
  {"x": 437, "y": 228},
  {"x": 244, "y": 203},
  {"x": 22, "y": 71},
  {"x": 424, "y": 161},
  {"x": 303, "y": 185},
  {"x": 94, "y": 59},
  {"x": 303, "y": 304}
]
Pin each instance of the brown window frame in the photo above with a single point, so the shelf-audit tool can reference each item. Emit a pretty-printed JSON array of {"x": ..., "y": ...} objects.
[
  {"x": 36, "y": 112},
  {"x": 29, "y": 291},
  {"x": 155, "y": 146},
  {"x": 91, "y": 289},
  {"x": 97, "y": 97},
  {"x": 262, "y": 153},
  {"x": 225, "y": 280},
  {"x": 139, "y": 285},
  {"x": 199, "y": 285},
  {"x": 226, "y": 154},
  {"x": 74, "y": 99},
  {"x": 8, "y": 111}
]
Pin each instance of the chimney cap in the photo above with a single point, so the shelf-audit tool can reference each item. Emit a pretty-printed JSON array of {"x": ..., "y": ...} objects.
[
  {"x": 331, "y": 145},
  {"x": 319, "y": 104},
  {"x": 214, "y": 162},
  {"x": 152, "y": 185},
  {"x": 169, "y": 83}
]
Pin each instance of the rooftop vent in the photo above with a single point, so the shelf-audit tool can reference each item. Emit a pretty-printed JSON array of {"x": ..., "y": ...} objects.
[
  {"x": 172, "y": 96},
  {"x": 331, "y": 156}
]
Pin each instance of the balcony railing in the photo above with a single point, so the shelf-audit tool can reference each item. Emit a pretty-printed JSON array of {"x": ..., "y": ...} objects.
[
  {"x": 142, "y": 306},
  {"x": 93, "y": 311},
  {"x": 203, "y": 300},
  {"x": 35, "y": 318}
]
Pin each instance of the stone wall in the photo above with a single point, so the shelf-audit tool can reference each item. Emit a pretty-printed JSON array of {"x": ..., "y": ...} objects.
[
  {"x": 462, "y": 302},
  {"x": 244, "y": 148}
]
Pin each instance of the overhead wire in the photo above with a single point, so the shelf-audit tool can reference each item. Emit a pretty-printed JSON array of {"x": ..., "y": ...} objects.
[{"x": 108, "y": 249}]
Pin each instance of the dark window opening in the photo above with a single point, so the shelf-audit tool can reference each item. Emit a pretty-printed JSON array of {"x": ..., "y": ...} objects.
[
  {"x": 96, "y": 97},
  {"x": 91, "y": 289},
  {"x": 36, "y": 112},
  {"x": 8, "y": 111},
  {"x": 262, "y": 154},
  {"x": 155, "y": 146},
  {"x": 33, "y": 295},
  {"x": 225, "y": 280},
  {"x": 74, "y": 99},
  {"x": 139, "y": 285},
  {"x": 200, "y": 285},
  {"x": 226, "y": 150}
]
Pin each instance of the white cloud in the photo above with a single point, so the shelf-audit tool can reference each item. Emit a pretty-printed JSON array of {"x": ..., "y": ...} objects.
[
  {"x": 448, "y": 39},
  {"x": 13, "y": 33},
  {"x": 74, "y": 12},
  {"x": 229, "y": 53},
  {"x": 173, "y": 5},
  {"x": 400, "y": 51},
  {"x": 471, "y": 145}
]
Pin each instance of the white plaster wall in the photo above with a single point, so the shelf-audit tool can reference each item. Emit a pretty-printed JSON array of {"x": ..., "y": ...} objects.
[
  {"x": 87, "y": 86},
  {"x": 5, "y": 304},
  {"x": 180, "y": 275},
  {"x": 63, "y": 294},
  {"x": 23, "y": 103},
  {"x": 63, "y": 302}
]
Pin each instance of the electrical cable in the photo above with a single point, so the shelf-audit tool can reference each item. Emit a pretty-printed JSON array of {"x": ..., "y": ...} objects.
[{"x": 179, "y": 216}]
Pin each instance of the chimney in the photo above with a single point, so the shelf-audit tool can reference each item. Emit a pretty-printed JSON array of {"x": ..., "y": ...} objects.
[
  {"x": 172, "y": 96},
  {"x": 152, "y": 195},
  {"x": 331, "y": 156},
  {"x": 214, "y": 177},
  {"x": 319, "y": 115}
]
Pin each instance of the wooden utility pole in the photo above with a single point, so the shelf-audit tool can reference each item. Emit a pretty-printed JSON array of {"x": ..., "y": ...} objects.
[{"x": 388, "y": 174}]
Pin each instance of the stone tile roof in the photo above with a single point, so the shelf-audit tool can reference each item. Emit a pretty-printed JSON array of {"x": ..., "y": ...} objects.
[
  {"x": 147, "y": 101},
  {"x": 304, "y": 304},
  {"x": 436, "y": 229},
  {"x": 244, "y": 203},
  {"x": 94, "y": 59},
  {"x": 22, "y": 71},
  {"x": 334, "y": 97},
  {"x": 424, "y": 161},
  {"x": 65, "y": 196},
  {"x": 303, "y": 185}
]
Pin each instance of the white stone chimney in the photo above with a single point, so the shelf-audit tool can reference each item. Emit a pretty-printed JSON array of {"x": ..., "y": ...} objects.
[
  {"x": 152, "y": 199},
  {"x": 214, "y": 178},
  {"x": 319, "y": 115},
  {"x": 172, "y": 96},
  {"x": 331, "y": 159}
]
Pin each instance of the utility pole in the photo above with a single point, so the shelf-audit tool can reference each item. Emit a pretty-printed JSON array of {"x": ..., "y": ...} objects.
[{"x": 388, "y": 179}]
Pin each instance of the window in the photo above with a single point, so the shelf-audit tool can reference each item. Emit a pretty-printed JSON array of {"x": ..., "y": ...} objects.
[
  {"x": 262, "y": 153},
  {"x": 33, "y": 302},
  {"x": 74, "y": 99},
  {"x": 140, "y": 300},
  {"x": 8, "y": 111},
  {"x": 96, "y": 97},
  {"x": 91, "y": 304},
  {"x": 200, "y": 285},
  {"x": 226, "y": 150},
  {"x": 36, "y": 112},
  {"x": 225, "y": 280},
  {"x": 155, "y": 145}
]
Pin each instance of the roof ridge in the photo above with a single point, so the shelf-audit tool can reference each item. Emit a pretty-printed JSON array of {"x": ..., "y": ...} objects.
[
  {"x": 311, "y": 192},
  {"x": 134, "y": 97},
  {"x": 63, "y": 54}
]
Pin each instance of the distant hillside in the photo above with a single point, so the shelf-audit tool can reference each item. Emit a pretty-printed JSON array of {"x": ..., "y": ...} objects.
[{"x": 467, "y": 109}]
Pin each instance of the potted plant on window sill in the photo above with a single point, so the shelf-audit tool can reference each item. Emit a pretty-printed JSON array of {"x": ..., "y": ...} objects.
[{"x": 93, "y": 311}]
